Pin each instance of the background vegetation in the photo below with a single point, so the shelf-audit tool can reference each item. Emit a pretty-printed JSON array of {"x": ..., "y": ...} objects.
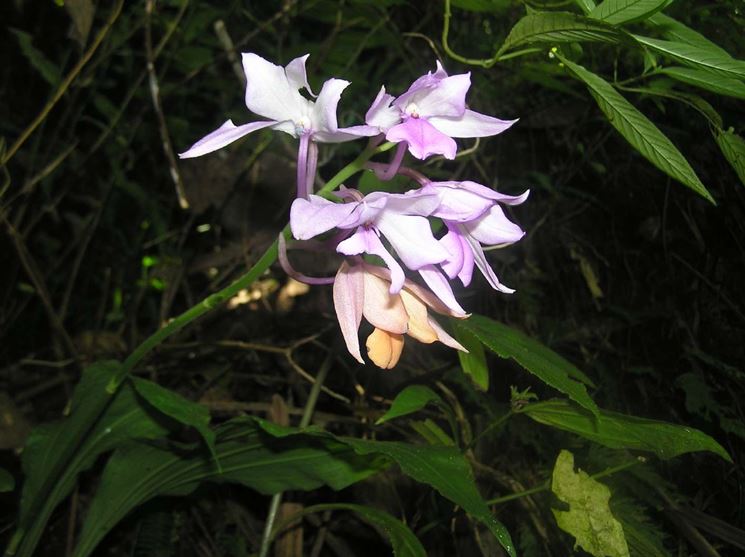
[{"x": 627, "y": 273}]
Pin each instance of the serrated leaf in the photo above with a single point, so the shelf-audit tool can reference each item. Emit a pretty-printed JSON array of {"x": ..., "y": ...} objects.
[
  {"x": 538, "y": 359},
  {"x": 55, "y": 454},
  {"x": 408, "y": 401},
  {"x": 178, "y": 408},
  {"x": 618, "y": 12},
  {"x": 473, "y": 362},
  {"x": 697, "y": 56},
  {"x": 619, "y": 431},
  {"x": 46, "y": 68},
  {"x": 7, "y": 482},
  {"x": 137, "y": 472},
  {"x": 589, "y": 518},
  {"x": 638, "y": 130},
  {"x": 558, "y": 27},
  {"x": 733, "y": 149},
  {"x": 708, "y": 81},
  {"x": 677, "y": 31},
  {"x": 403, "y": 541}
]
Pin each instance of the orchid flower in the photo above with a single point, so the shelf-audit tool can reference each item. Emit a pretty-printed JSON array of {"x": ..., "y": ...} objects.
[
  {"x": 400, "y": 218},
  {"x": 273, "y": 92},
  {"x": 473, "y": 217},
  {"x": 363, "y": 290},
  {"x": 429, "y": 115}
]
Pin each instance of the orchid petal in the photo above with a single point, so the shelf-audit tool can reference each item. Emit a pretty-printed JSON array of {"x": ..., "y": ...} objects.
[
  {"x": 415, "y": 202},
  {"x": 384, "y": 348},
  {"x": 441, "y": 288},
  {"x": 316, "y": 215},
  {"x": 222, "y": 136},
  {"x": 349, "y": 290},
  {"x": 453, "y": 243},
  {"x": 419, "y": 327},
  {"x": 366, "y": 241},
  {"x": 485, "y": 268},
  {"x": 323, "y": 118},
  {"x": 423, "y": 139},
  {"x": 494, "y": 228},
  {"x": 411, "y": 237},
  {"x": 483, "y": 191},
  {"x": 380, "y": 114},
  {"x": 446, "y": 99},
  {"x": 457, "y": 204},
  {"x": 382, "y": 309},
  {"x": 445, "y": 338},
  {"x": 469, "y": 124},
  {"x": 269, "y": 92},
  {"x": 296, "y": 75}
]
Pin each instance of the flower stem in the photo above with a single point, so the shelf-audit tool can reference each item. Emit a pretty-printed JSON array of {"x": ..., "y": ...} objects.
[{"x": 212, "y": 301}]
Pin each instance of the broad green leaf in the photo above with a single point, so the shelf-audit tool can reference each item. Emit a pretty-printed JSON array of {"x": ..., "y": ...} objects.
[
  {"x": 482, "y": 5},
  {"x": 638, "y": 130},
  {"x": 446, "y": 470},
  {"x": 538, "y": 359},
  {"x": 408, "y": 401},
  {"x": 677, "y": 31},
  {"x": 57, "y": 453},
  {"x": 403, "y": 541},
  {"x": 558, "y": 27},
  {"x": 619, "y": 431},
  {"x": 698, "y": 56},
  {"x": 589, "y": 518},
  {"x": 249, "y": 456},
  {"x": 48, "y": 70},
  {"x": 733, "y": 149},
  {"x": 618, "y": 12},
  {"x": 585, "y": 5},
  {"x": 178, "y": 408},
  {"x": 707, "y": 80},
  {"x": 432, "y": 433},
  {"x": 7, "y": 482},
  {"x": 473, "y": 362}
]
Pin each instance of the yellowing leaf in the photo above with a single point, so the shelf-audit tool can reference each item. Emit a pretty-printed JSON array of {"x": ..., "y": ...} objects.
[{"x": 589, "y": 518}]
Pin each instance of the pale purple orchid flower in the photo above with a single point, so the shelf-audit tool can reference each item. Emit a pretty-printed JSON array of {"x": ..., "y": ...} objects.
[
  {"x": 363, "y": 290},
  {"x": 429, "y": 115},
  {"x": 473, "y": 217},
  {"x": 273, "y": 92},
  {"x": 400, "y": 218}
]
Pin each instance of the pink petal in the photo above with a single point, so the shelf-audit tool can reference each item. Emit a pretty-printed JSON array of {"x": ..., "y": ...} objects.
[
  {"x": 494, "y": 228},
  {"x": 457, "y": 204},
  {"x": 222, "y": 136},
  {"x": 470, "y": 124},
  {"x": 269, "y": 92},
  {"x": 411, "y": 237},
  {"x": 296, "y": 75},
  {"x": 445, "y": 338},
  {"x": 423, "y": 139},
  {"x": 316, "y": 215},
  {"x": 414, "y": 202},
  {"x": 453, "y": 243},
  {"x": 441, "y": 288},
  {"x": 485, "y": 268},
  {"x": 486, "y": 192},
  {"x": 323, "y": 118},
  {"x": 381, "y": 115},
  {"x": 367, "y": 241},
  {"x": 349, "y": 292},
  {"x": 448, "y": 98},
  {"x": 381, "y": 309}
]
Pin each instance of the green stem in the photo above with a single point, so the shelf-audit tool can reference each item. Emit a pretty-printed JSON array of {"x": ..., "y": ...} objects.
[
  {"x": 264, "y": 262},
  {"x": 496, "y": 423},
  {"x": 546, "y": 486},
  {"x": 310, "y": 405}
]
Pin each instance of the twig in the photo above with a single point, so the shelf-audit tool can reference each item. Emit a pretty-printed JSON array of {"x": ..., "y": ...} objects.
[
  {"x": 155, "y": 96},
  {"x": 64, "y": 85},
  {"x": 227, "y": 44}
]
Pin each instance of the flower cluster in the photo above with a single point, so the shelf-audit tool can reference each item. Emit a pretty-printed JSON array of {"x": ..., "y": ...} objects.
[{"x": 395, "y": 228}]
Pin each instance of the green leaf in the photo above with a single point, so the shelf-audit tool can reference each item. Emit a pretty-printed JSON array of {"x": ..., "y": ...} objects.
[
  {"x": 47, "y": 69},
  {"x": 619, "y": 431},
  {"x": 7, "y": 482},
  {"x": 585, "y": 5},
  {"x": 178, "y": 408},
  {"x": 677, "y": 31},
  {"x": 482, "y": 5},
  {"x": 403, "y": 540},
  {"x": 618, "y": 12},
  {"x": 706, "y": 58},
  {"x": 408, "y": 401},
  {"x": 558, "y": 27},
  {"x": 638, "y": 130},
  {"x": 473, "y": 362},
  {"x": 733, "y": 149},
  {"x": 432, "y": 433},
  {"x": 249, "y": 456},
  {"x": 55, "y": 454},
  {"x": 707, "y": 80},
  {"x": 538, "y": 359},
  {"x": 589, "y": 518},
  {"x": 446, "y": 470}
]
